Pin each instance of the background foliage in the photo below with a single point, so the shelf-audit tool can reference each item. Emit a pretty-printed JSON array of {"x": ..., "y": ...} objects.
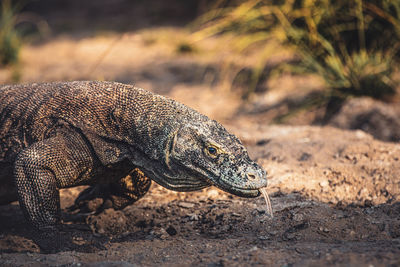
[
  {"x": 352, "y": 45},
  {"x": 9, "y": 38}
]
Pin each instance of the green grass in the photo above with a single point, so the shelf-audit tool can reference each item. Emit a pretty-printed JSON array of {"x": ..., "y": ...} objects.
[{"x": 10, "y": 41}]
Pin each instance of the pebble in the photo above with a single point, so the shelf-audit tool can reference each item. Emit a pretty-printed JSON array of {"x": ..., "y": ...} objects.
[
  {"x": 193, "y": 217},
  {"x": 324, "y": 183},
  {"x": 264, "y": 237},
  {"x": 298, "y": 217},
  {"x": 260, "y": 210},
  {"x": 352, "y": 233},
  {"x": 324, "y": 229},
  {"x": 255, "y": 248},
  {"x": 171, "y": 230},
  {"x": 185, "y": 205}
]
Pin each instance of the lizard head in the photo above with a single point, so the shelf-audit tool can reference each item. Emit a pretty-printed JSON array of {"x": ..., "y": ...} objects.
[{"x": 209, "y": 153}]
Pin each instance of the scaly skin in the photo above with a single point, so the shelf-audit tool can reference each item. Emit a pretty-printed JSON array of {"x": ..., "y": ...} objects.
[{"x": 114, "y": 137}]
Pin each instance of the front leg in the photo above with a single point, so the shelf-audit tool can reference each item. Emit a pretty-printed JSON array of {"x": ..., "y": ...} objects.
[{"x": 40, "y": 171}]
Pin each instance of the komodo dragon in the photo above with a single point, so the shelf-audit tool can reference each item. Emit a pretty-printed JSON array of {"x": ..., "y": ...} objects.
[{"x": 114, "y": 137}]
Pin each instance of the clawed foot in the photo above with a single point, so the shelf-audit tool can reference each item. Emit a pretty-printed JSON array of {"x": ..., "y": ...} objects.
[
  {"x": 92, "y": 200},
  {"x": 48, "y": 239},
  {"x": 117, "y": 195}
]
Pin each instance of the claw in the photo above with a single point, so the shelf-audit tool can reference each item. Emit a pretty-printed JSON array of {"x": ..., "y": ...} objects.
[
  {"x": 89, "y": 201},
  {"x": 48, "y": 239}
]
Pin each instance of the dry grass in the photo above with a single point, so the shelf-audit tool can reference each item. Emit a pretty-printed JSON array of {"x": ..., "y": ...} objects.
[{"x": 352, "y": 45}]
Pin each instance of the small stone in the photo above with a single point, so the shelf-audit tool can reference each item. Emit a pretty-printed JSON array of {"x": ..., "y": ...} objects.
[
  {"x": 298, "y": 217},
  {"x": 171, "y": 230},
  {"x": 255, "y": 248},
  {"x": 324, "y": 183},
  {"x": 260, "y": 210},
  {"x": 162, "y": 233},
  {"x": 352, "y": 233},
  {"x": 264, "y": 237},
  {"x": 185, "y": 205},
  {"x": 328, "y": 256},
  {"x": 193, "y": 217},
  {"x": 323, "y": 229}
]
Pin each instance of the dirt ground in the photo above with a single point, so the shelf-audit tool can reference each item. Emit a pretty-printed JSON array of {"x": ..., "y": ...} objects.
[
  {"x": 335, "y": 192},
  {"x": 335, "y": 196}
]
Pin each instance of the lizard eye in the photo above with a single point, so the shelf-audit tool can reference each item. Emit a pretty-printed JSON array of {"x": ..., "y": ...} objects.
[{"x": 212, "y": 150}]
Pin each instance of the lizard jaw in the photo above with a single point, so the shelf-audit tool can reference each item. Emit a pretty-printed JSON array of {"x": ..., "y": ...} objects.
[
  {"x": 181, "y": 187},
  {"x": 241, "y": 192},
  {"x": 176, "y": 182}
]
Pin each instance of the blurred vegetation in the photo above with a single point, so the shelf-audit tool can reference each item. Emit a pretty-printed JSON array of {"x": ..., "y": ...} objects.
[
  {"x": 16, "y": 28},
  {"x": 10, "y": 41},
  {"x": 352, "y": 45},
  {"x": 185, "y": 48}
]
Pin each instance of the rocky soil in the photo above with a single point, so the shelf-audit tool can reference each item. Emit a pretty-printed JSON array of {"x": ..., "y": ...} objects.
[{"x": 335, "y": 196}]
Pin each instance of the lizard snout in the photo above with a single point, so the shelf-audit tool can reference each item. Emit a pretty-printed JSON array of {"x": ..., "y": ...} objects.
[{"x": 256, "y": 178}]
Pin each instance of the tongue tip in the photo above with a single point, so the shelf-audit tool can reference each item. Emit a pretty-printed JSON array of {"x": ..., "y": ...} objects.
[{"x": 269, "y": 210}]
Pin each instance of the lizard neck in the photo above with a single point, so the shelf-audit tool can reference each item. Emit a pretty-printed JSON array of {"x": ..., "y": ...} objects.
[{"x": 146, "y": 121}]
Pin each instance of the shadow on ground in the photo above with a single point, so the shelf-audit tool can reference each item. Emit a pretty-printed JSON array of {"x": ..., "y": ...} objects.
[{"x": 225, "y": 232}]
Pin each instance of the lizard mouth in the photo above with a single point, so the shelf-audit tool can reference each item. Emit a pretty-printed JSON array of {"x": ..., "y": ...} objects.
[
  {"x": 229, "y": 188},
  {"x": 241, "y": 192}
]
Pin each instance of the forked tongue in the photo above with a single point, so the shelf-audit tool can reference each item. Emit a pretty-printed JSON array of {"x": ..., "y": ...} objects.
[{"x": 268, "y": 201}]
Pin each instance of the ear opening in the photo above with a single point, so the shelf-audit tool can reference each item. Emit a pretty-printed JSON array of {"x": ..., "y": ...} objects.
[
  {"x": 115, "y": 115},
  {"x": 169, "y": 149}
]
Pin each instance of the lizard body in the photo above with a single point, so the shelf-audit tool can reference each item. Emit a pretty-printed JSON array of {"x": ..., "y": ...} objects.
[{"x": 114, "y": 137}]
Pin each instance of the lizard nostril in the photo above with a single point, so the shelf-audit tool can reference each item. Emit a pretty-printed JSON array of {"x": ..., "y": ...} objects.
[{"x": 251, "y": 176}]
